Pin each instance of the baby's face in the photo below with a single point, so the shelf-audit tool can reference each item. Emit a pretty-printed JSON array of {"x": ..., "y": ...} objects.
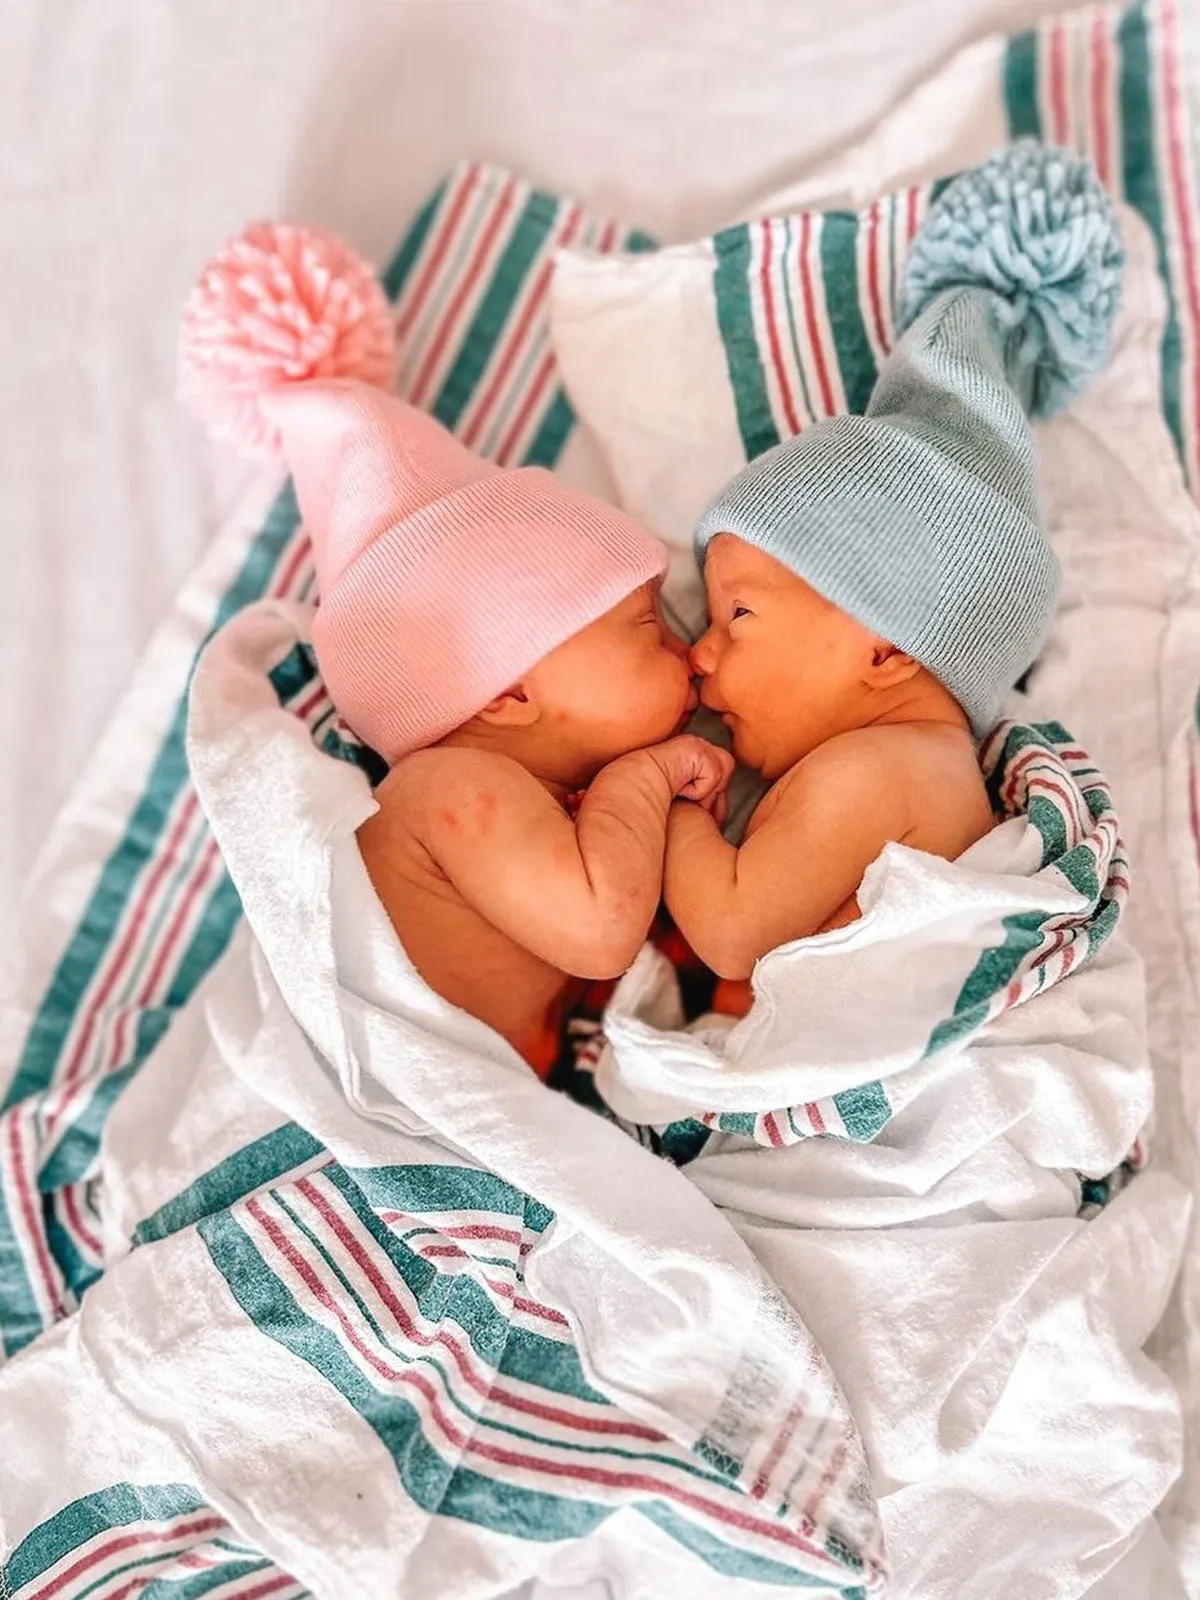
[
  {"x": 781, "y": 664},
  {"x": 620, "y": 684}
]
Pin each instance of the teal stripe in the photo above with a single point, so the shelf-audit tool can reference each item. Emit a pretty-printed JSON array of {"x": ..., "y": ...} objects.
[
  {"x": 735, "y": 1563},
  {"x": 538, "y": 218},
  {"x": 735, "y": 320},
  {"x": 992, "y": 972},
  {"x": 432, "y": 1187},
  {"x": 80, "y": 1142},
  {"x": 839, "y": 275},
  {"x": 295, "y": 672},
  {"x": 76, "y": 1150},
  {"x": 864, "y": 1110},
  {"x": 262, "y": 1162},
  {"x": 552, "y": 434},
  {"x": 1140, "y": 181},
  {"x": 435, "y": 1484},
  {"x": 196, "y": 1584},
  {"x": 90, "y": 942},
  {"x": 401, "y": 265},
  {"x": 431, "y": 1481},
  {"x": 20, "y": 1318},
  {"x": 1021, "y": 86},
  {"x": 77, "y": 1273},
  {"x": 443, "y": 1297},
  {"x": 95, "y": 933},
  {"x": 94, "y": 1514}
]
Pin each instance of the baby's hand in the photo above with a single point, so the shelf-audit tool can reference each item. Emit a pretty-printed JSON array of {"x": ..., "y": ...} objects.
[{"x": 695, "y": 769}]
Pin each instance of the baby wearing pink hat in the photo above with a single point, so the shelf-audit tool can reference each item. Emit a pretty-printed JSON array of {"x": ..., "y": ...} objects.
[{"x": 497, "y": 637}]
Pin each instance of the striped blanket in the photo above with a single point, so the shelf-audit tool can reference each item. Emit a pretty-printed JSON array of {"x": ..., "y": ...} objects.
[
  {"x": 131, "y": 907},
  {"x": 380, "y": 1321}
]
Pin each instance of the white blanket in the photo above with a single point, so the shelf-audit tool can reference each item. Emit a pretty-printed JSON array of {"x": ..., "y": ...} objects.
[
  {"x": 395, "y": 1310},
  {"x": 383, "y": 1320},
  {"x": 969, "y": 1076}
]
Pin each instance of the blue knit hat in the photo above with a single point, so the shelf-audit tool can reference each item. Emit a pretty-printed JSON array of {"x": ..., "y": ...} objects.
[{"x": 921, "y": 518}]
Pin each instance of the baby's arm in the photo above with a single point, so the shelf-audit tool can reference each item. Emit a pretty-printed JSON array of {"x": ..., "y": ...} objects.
[
  {"x": 832, "y": 817},
  {"x": 580, "y": 894}
]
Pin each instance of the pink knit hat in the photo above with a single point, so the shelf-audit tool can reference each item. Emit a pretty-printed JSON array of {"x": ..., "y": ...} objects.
[{"x": 442, "y": 579}]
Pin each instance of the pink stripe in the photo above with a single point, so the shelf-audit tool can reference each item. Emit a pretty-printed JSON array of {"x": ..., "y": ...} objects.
[
  {"x": 531, "y": 1308},
  {"x": 416, "y": 391},
  {"x": 29, "y": 1209},
  {"x": 317, "y": 1289},
  {"x": 300, "y": 550},
  {"x": 165, "y": 860},
  {"x": 780, "y": 1443},
  {"x": 517, "y": 338},
  {"x": 127, "y": 1541},
  {"x": 544, "y": 373},
  {"x": 643, "y": 1483},
  {"x": 161, "y": 863},
  {"x": 1193, "y": 807},
  {"x": 586, "y": 1424},
  {"x": 1100, "y": 87},
  {"x": 281, "y": 1580},
  {"x": 446, "y": 232},
  {"x": 76, "y": 1223},
  {"x": 815, "y": 1117},
  {"x": 310, "y": 703},
  {"x": 608, "y": 239},
  {"x": 833, "y": 1466},
  {"x": 772, "y": 1129},
  {"x": 482, "y": 1230},
  {"x": 873, "y": 275},
  {"x": 473, "y": 1446},
  {"x": 910, "y": 214},
  {"x": 785, "y": 393},
  {"x": 1179, "y": 183},
  {"x": 636, "y": 1481},
  {"x": 120, "y": 1052},
  {"x": 810, "y": 317}
]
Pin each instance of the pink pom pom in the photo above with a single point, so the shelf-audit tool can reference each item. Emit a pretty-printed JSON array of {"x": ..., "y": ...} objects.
[{"x": 279, "y": 304}]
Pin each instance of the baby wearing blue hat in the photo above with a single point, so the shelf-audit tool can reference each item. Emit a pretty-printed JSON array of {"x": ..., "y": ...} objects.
[{"x": 878, "y": 584}]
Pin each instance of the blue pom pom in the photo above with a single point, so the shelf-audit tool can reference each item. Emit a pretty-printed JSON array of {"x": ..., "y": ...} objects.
[{"x": 1034, "y": 225}]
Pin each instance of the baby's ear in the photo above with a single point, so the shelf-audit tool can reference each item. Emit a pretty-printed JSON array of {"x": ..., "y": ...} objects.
[
  {"x": 517, "y": 707},
  {"x": 889, "y": 665}
]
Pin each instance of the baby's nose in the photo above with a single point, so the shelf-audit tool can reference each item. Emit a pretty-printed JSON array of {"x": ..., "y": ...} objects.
[{"x": 701, "y": 655}]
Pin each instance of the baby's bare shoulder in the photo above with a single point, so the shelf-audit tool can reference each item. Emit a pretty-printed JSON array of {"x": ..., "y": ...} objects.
[
  {"x": 921, "y": 781},
  {"x": 429, "y": 776},
  {"x": 448, "y": 798},
  {"x": 858, "y": 762}
]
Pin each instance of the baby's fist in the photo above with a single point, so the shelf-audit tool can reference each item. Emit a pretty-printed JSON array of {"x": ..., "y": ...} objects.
[{"x": 695, "y": 769}]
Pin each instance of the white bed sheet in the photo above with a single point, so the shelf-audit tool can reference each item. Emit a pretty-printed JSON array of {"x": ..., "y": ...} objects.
[{"x": 135, "y": 135}]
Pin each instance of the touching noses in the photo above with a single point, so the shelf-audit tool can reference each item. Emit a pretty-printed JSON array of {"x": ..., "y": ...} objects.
[{"x": 703, "y": 655}]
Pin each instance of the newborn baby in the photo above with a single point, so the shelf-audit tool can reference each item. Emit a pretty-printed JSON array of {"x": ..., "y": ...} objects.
[
  {"x": 877, "y": 584},
  {"x": 860, "y": 743},
  {"x": 497, "y": 637}
]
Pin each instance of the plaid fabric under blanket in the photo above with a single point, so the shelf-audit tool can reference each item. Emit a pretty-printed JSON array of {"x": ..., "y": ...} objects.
[{"x": 131, "y": 906}]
